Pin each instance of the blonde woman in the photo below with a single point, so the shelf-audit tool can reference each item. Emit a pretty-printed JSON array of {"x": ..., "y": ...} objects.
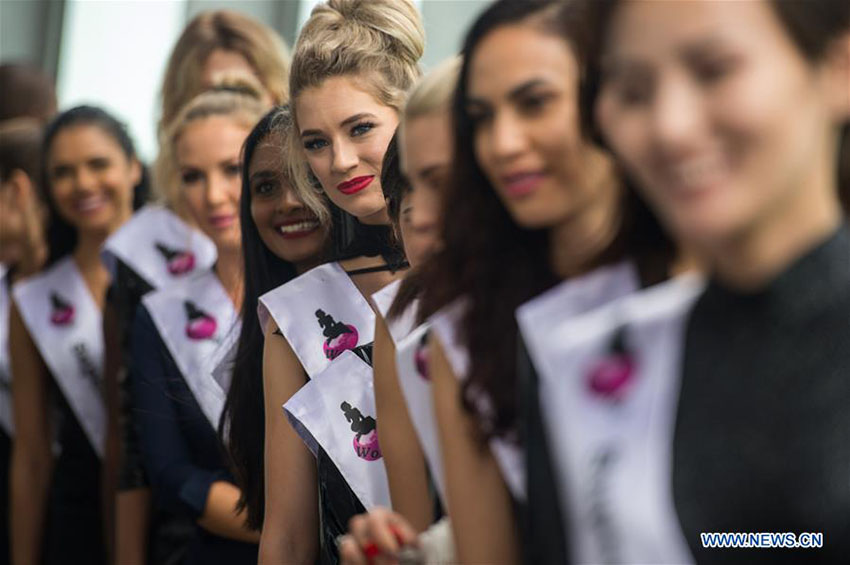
[
  {"x": 180, "y": 328},
  {"x": 158, "y": 247},
  {"x": 351, "y": 68}
]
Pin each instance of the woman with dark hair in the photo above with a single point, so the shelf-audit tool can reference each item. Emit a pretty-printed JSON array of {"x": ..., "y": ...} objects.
[
  {"x": 532, "y": 200},
  {"x": 91, "y": 175},
  {"x": 281, "y": 239},
  {"x": 718, "y": 407}
]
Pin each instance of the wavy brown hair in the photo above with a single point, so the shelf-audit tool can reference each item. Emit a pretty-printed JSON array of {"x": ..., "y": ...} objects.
[{"x": 490, "y": 260}]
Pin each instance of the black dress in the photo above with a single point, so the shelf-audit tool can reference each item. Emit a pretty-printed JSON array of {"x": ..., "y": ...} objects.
[
  {"x": 762, "y": 437},
  {"x": 182, "y": 453},
  {"x": 73, "y": 531},
  {"x": 169, "y": 533}
]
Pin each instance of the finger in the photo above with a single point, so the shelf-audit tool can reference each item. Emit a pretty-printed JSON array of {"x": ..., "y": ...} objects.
[{"x": 349, "y": 551}]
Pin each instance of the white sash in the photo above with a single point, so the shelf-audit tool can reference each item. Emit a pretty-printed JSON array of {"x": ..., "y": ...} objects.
[
  {"x": 66, "y": 326},
  {"x": 159, "y": 247},
  {"x": 540, "y": 317},
  {"x": 508, "y": 455},
  {"x": 6, "y": 419},
  {"x": 198, "y": 323},
  {"x": 336, "y": 410},
  {"x": 412, "y": 366},
  {"x": 401, "y": 325},
  {"x": 609, "y": 386},
  {"x": 321, "y": 314}
]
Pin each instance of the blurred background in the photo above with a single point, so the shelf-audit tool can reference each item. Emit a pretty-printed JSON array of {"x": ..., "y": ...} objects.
[{"x": 112, "y": 53}]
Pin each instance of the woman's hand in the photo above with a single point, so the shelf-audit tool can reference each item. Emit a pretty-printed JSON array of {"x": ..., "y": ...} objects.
[{"x": 376, "y": 537}]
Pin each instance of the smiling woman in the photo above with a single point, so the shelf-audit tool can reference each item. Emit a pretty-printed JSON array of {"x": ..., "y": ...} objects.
[
  {"x": 91, "y": 172},
  {"x": 180, "y": 327}
]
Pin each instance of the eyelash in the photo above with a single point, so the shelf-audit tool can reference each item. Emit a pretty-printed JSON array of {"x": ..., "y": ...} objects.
[
  {"x": 357, "y": 130},
  {"x": 190, "y": 177},
  {"x": 264, "y": 188}
]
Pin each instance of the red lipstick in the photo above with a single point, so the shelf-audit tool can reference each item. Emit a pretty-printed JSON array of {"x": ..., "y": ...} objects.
[{"x": 355, "y": 185}]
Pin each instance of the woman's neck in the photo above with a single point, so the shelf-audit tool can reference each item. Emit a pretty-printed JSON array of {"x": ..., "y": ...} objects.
[
  {"x": 87, "y": 252},
  {"x": 575, "y": 244},
  {"x": 753, "y": 257},
  {"x": 228, "y": 269}
]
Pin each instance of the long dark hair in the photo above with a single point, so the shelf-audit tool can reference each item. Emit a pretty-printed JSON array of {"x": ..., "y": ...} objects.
[
  {"x": 242, "y": 424},
  {"x": 812, "y": 25},
  {"x": 62, "y": 236},
  {"x": 490, "y": 260}
]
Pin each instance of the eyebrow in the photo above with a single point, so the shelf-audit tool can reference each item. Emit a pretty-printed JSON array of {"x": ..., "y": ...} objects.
[
  {"x": 431, "y": 169},
  {"x": 514, "y": 93},
  {"x": 262, "y": 175},
  {"x": 343, "y": 123}
]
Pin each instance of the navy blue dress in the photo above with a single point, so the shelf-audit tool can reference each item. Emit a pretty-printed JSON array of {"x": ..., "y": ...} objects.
[{"x": 181, "y": 450}]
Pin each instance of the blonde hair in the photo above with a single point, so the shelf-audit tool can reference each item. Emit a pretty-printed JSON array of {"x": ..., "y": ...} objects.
[
  {"x": 380, "y": 41},
  {"x": 433, "y": 92},
  {"x": 237, "y": 95},
  {"x": 261, "y": 46}
]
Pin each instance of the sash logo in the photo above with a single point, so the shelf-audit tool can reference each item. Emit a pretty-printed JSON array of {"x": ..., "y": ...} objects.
[
  {"x": 420, "y": 358},
  {"x": 366, "y": 430},
  {"x": 87, "y": 367},
  {"x": 612, "y": 377},
  {"x": 339, "y": 337},
  {"x": 199, "y": 325},
  {"x": 178, "y": 262},
  {"x": 62, "y": 312}
]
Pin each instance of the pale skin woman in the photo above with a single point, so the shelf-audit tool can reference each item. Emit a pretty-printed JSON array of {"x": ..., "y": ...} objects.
[
  {"x": 345, "y": 132},
  {"x": 730, "y": 129},
  {"x": 522, "y": 96},
  {"x": 425, "y": 156},
  {"x": 426, "y": 151},
  {"x": 207, "y": 154},
  {"x": 132, "y": 507},
  {"x": 91, "y": 182}
]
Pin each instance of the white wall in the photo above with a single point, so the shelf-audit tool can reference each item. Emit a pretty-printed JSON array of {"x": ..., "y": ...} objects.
[{"x": 113, "y": 55}]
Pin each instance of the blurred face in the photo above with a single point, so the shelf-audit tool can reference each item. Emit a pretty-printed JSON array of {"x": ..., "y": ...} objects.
[
  {"x": 426, "y": 154},
  {"x": 717, "y": 114},
  {"x": 12, "y": 223},
  {"x": 91, "y": 179},
  {"x": 523, "y": 103},
  {"x": 345, "y": 133},
  {"x": 286, "y": 226},
  {"x": 208, "y": 160}
]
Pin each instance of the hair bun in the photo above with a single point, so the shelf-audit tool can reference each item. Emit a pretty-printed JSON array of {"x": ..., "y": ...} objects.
[{"x": 393, "y": 26}]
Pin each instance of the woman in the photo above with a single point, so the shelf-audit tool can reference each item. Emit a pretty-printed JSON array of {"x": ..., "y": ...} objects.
[
  {"x": 159, "y": 246},
  {"x": 729, "y": 118},
  {"x": 281, "y": 238},
  {"x": 544, "y": 203},
  {"x": 180, "y": 329},
  {"x": 90, "y": 171},
  {"x": 352, "y": 63},
  {"x": 414, "y": 207},
  {"x": 24, "y": 250}
]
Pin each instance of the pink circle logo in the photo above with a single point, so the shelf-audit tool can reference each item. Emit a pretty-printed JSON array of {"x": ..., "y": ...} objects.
[
  {"x": 612, "y": 377},
  {"x": 177, "y": 262},
  {"x": 62, "y": 312},
  {"x": 200, "y": 325},
  {"x": 420, "y": 358},
  {"x": 366, "y": 446}
]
